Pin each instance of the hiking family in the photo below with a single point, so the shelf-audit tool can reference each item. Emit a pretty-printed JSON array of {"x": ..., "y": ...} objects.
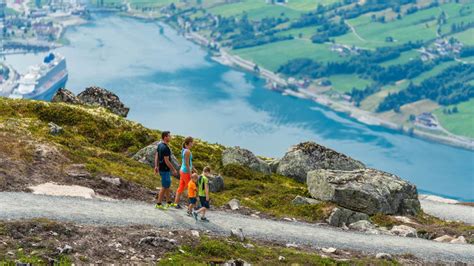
[{"x": 196, "y": 185}]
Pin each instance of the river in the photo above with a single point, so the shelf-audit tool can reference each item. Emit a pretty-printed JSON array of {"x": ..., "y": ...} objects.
[{"x": 171, "y": 84}]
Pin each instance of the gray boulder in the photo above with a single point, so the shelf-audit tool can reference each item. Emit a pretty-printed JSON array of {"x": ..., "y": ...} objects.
[
  {"x": 147, "y": 156},
  {"x": 237, "y": 155},
  {"x": 299, "y": 200},
  {"x": 234, "y": 204},
  {"x": 340, "y": 217},
  {"x": 364, "y": 226},
  {"x": 368, "y": 190},
  {"x": 309, "y": 156},
  {"x": 66, "y": 96},
  {"x": 216, "y": 184},
  {"x": 104, "y": 98},
  {"x": 404, "y": 230}
]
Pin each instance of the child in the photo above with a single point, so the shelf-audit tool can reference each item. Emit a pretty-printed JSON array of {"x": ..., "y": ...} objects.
[
  {"x": 203, "y": 193},
  {"x": 192, "y": 193}
]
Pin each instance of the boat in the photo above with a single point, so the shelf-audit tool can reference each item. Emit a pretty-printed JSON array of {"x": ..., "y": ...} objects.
[{"x": 42, "y": 81}]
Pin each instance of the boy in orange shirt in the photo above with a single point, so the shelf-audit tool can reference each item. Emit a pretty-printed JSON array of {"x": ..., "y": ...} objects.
[{"x": 192, "y": 193}]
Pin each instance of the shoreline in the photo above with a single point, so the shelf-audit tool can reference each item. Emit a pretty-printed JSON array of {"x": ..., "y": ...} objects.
[{"x": 362, "y": 116}]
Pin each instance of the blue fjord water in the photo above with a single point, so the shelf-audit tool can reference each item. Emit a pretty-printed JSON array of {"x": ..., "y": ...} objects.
[{"x": 171, "y": 83}]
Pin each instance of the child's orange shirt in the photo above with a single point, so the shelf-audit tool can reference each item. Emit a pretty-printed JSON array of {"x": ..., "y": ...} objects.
[{"x": 192, "y": 189}]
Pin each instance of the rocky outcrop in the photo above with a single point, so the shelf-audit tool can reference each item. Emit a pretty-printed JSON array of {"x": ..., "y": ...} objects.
[
  {"x": 147, "y": 156},
  {"x": 404, "y": 230},
  {"x": 369, "y": 191},
  {"x": 239, "y": 156},
  {"x": 341, "y": 217},
  {"x": 66, "y": 96},
  {"x": 309, "y": 156},
  {"x": 104, "y": 98}
]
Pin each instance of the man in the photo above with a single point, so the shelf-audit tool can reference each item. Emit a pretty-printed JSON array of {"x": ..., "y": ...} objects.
[{"x": 164, "y": 167}]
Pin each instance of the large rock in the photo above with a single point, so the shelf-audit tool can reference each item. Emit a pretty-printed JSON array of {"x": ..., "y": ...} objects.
[
  {"x": 66, "y": 96},
  {"x": 147, "y": 156},
  {"x": 216, "y": 184},
  {"x": 404, "y": 230},
  {"x": 340, "y": 217},
  {"x": 237, "y": 155},
  {"x": 104, "y": 98},
  {"x": 309, "y": 156},
  {"x": 368, "y": 190}
]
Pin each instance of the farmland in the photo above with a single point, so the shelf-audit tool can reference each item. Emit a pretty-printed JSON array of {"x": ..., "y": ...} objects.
[
  {"x": 380, "y": 48},
  {"x": 460, "y": 123}
]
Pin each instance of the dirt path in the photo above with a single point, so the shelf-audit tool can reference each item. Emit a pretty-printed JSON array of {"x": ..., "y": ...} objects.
[
  {"x": 98, "y": 212},
  {"x": 355, "y": 32}
]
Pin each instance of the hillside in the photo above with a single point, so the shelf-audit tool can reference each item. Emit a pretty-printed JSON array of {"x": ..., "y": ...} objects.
[
  {"x": 379, "y": 56},
  {"x": 94, "y": 148}
]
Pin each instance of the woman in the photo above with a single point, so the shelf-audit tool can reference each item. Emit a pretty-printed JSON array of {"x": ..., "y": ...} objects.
[{"x": 186, "y": 169}]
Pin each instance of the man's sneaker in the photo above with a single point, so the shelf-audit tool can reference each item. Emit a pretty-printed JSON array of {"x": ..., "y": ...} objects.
[
  {"x": 160, "y": 206},
  {"x": 190, "y": 213},
  {"x": 171, "y": 205},
  {"x": 177, "y": 206},
  {"x": 195, "y": 215},
  {"x": 204, "y": 219}
]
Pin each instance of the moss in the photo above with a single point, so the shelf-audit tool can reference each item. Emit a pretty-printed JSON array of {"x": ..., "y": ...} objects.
[{"x": 384, "y": 220}]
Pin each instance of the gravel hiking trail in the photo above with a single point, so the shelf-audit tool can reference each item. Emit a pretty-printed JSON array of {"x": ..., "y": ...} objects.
[{"x": 17, "y": 206}]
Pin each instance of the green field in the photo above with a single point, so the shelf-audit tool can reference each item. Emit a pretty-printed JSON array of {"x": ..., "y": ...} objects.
[
  {"x": 404, "y": 58},
  {"x": 372, "y": 102},
  {"x": 306, "y": 32},
  {"x": 255, "y": 10},
  {"x": 345, "y": 83},
  {"x": 305, "y": 5},
  {"x": 461, "y": 123},
  {"x": 433, "y": 72},
  {"x": 466, "y": 37},
  {"x": 418, "y": 26},
  {"x": 273, "y": 55}
]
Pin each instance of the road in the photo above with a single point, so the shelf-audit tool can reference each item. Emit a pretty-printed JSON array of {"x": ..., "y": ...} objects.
[{"x": 99, "y": 212}]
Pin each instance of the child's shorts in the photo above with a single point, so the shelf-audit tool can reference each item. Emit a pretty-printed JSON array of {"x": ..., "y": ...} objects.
[
  {"x": 204, "y": 202},
  {"x": 192, "y": 200}
]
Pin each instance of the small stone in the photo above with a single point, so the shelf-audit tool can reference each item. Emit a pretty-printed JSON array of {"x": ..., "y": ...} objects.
[
  {"x": 254, "y": 216},
  {"x": 170, "y": 233},
  {"x": 238, "y": 233},
  {"x": 287, "y": 219},
  {"x": 299, "y": 200},
  {"x": 328, "y": 250},
  {"x": 54, "y": 129},
  {"x": 459, "y": 240},
  {"x": 10, "y": 253},
  {"x": 111, "y": 180},
  {"x": 403, "y": 230},
  {"x": 194, "y": 233},
  {"x": 53, "y": 233},
  {"x": 248, "y": 245},
  {"x": 66, "y": 249},
  {"x": 445, "y": 239},
  {"x": 404, "y": 219},
  {"x": 121, "y": 251},
  {"x": 281, "y": 258},
  {"x": 383, "y": 256},
  {"x": 234, "y": 204},
  {"x": 182, "y": 251},
  {"x": 291, "y": 245}
]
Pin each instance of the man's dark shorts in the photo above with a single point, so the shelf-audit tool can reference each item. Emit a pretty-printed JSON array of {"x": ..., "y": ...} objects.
[
  {"x": 192, "y": 200},
  {"x": 165, "y": 179},
  {"x": 204, "y": 202}
]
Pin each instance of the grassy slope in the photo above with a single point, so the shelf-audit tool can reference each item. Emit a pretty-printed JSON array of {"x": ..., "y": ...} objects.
[
  {"x": 345, "y": 83},
  {"x": 461, "y": 123}
]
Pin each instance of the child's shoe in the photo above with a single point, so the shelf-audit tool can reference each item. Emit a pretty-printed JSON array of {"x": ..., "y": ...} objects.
[{"x": 204, "y": 219}]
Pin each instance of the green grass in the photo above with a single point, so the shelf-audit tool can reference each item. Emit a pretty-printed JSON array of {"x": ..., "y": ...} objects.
[
  {"x": 210, "y": 251},
  {"x": 305, "y": 5},
  {"x": 404, "y": 58},
  {"x": 255, "y": 10},
  {"x": 345, "y": 83},
  {"x": 461, "y": 123},
  {"x": 273, "y": 55},
  {"x": 306, "y": 32},
  {"x": 433, "y": 72},
  {"x": 466, "y": 37}
]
